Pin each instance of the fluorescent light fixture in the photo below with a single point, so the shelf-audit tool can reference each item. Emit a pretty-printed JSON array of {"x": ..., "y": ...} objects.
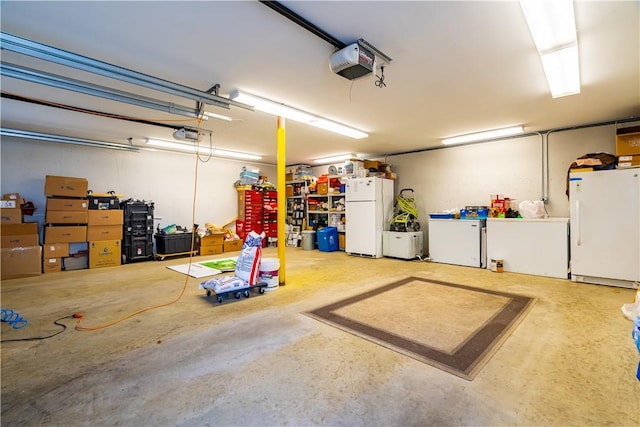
[
  {"x": 340, "y": 158},
  {"x": 482, "y": 136},
  {"x": 208, "y": 115},
  {"x": 553, "y": 27},
  {"x": 192, "y": 148},
  {"x": 282, "y": 110},
  {"x": 562, "y": 71}
]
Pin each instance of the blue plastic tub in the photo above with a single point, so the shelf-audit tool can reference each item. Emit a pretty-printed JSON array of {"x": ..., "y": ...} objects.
[{"x": 328, "y": 239}]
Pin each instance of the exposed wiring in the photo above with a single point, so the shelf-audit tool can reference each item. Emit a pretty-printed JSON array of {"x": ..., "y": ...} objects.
[
  {"x": 81, "y": 317},
  {"x": 380, "y": 82},
  {"x": 57, "y": 322}
]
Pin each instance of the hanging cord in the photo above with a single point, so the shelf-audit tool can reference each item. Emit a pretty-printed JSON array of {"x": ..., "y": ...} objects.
[
  {"x": 380, "y": 82},
  {"x": 57, "y": 322},
  {"x": 80, "y": 316}
]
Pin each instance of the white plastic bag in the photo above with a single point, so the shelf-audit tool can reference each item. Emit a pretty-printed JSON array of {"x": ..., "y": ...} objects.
[
  {"x": 631, "y": 311},
  {"x": 248, "y": 263},
  {"x": 530, "y": 209}
]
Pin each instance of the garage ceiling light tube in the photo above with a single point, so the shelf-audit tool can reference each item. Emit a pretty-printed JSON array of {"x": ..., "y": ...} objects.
[
  {"x": 193, "y": 148},
  {"x": 553, "y": 29},
  {"x": 282, "y": 110},
  {"x": 485, "y": 135}
]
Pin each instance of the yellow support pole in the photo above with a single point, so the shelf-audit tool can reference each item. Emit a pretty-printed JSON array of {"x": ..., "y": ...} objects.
[{"x": 282, "y": 201}]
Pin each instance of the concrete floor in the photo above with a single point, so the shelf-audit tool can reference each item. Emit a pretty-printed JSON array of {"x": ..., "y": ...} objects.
[{"x": 258, "y": 361}]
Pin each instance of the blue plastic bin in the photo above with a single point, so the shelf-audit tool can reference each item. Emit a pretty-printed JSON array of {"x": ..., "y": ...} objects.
[{"x": 328, "y": 239}]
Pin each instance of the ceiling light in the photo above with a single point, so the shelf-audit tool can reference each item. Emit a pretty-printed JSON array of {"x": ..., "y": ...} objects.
[
  {"x": 207, "y": 115},
  {"x": 485, "y": 135},
  {"x": 341, "y": 157},
  {"x": 282, "y": 110},
  {"x": 553, "y": 28},
  {"x": 192, "y": 148}
]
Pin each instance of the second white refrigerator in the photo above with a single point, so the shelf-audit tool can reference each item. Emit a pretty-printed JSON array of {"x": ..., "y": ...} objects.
[{"x": 369, "y": 208}]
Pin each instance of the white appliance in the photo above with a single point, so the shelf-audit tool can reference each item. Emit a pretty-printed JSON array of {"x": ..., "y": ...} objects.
[
  {"x": 605, "y": 227},
  {"x": 368, "y": 210},
  {"x": 405, "y": 245},
  {"x": 457, "y": 241},
  {"x": 530, "y": 246}
]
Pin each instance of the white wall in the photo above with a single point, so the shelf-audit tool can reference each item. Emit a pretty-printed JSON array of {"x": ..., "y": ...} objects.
[
  {"x": 442, "y": 179},
  {"x": 165, "y": 178},
  {"x": 467, "y": 175}
]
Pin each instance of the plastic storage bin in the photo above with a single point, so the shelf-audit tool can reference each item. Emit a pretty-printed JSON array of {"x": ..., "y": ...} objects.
[
  {"x": 173, "y": 243},
  {"x": 328, "y": 239}
]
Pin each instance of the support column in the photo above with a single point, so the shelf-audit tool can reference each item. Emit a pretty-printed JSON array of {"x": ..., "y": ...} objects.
[{"x": 282, "y": 200}]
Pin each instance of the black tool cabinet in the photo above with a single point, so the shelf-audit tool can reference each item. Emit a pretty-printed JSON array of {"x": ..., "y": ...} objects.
[{"x": 137, "y": 234}]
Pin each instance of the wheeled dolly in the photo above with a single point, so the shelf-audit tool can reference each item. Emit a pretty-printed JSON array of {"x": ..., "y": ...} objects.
[{"x": 238, "y": 293}]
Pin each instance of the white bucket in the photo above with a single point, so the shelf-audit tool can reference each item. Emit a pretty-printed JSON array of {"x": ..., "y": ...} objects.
[{"x": 269, "y": 268}]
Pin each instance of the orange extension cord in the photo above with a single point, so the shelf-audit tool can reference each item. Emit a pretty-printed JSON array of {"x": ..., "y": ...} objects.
[{"x": 81, "y": 317}]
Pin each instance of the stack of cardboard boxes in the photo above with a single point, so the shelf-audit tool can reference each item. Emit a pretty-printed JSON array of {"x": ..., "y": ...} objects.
[
  {"x": 212, "y": 244},
  {"x": 20, "y": 248},
  {"x": 104, "y": 234},
  {"x": 65, "y": 222},
  {"x": 628, "y": 147}
]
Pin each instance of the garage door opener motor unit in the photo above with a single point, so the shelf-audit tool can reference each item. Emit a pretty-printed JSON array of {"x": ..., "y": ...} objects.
[{"x": 354, "y": 61}]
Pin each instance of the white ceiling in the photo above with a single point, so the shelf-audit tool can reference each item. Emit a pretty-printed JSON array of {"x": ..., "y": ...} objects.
[{"x": 458, "y": 67}]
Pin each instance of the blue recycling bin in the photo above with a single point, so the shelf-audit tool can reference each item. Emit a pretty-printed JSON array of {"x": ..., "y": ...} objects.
[{"x": 328, "y": 239}]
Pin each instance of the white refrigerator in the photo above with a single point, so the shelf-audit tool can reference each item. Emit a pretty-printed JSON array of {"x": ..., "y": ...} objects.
[
  {"x": 368, "y": 210},
  {"x": 605, "y": 227}
]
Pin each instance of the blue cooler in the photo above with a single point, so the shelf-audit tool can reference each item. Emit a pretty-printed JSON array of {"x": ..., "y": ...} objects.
[{"x": 328, "y": 239}]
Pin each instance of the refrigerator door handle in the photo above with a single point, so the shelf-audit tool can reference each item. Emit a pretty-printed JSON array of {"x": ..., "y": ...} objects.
[{"x": 578, "y": 228}]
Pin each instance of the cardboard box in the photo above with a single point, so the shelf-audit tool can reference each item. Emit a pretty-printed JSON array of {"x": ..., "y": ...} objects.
[
  {"x": 66, "y": 217},
  {"x": 55, "y": 250},
  {"x": 232, "y": 245},
  {"x": 65, "y": 234},
  {"x": 65, "y": 186},
  {"x": 211, "y": 249},
  {"x": 212, "y": 239},
  {"x": 106, "y": 217},
  {"x": 19, "y": 235},
  {"x": 104, "y": 232},
  {"x": 371, "y": 164},
  {"x": 322, "y": 188},
  {"x": 76, "y": 262},
  {"x": 104, "y": 253},
  {"x": 51, "y": 265},
  {"x": 58, "y": 204},
  {"x": 11, "y": 216},
  {"x": 629, "y": 161},
  {"x": 628, "y": 144},
  {"x": 24, "y": 261},
  {"x": 14, "y": 197}
]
